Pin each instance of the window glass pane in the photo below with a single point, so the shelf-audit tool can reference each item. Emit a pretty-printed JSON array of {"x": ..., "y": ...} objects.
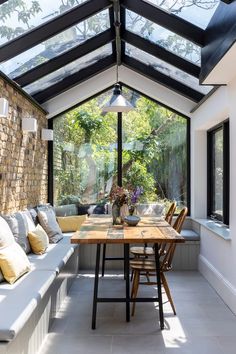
[
  {"x": 165, "y": 68},
  {"x": 155, "y": 151},
  {"x": 56, "y": 45},
  {"x": 85, "y": 154},
  {"x": 18, "y": 17},
  {"x": 218, "y": 172},
  {"x": 163, "y": 37},
  {"x": 198, "y": 12},
  {"x": 69, "y": 69}
]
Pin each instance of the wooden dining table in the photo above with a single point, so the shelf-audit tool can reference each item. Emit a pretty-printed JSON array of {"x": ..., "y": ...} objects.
[{"x": 98, "y": 229}]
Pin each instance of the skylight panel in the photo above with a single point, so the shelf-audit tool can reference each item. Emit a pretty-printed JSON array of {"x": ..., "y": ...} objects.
[
  {"x": 163, "y": 37},
  {"x": 166, "y": 69},
  {"x": 56, "y": 45},
  {"x": 17, "y": 18},
  {"x": 198, "y": 12},
  {"x": 69, "y": 69}
]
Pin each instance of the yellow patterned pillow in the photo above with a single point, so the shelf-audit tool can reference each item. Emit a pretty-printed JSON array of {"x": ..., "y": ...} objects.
[
  {"x": 13, "y": 262},
  {"x": 38, "y": 240},
  {"x": 71, "y": 223}
]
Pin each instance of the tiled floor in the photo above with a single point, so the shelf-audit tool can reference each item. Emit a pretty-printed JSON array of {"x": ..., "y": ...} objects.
[{"x": 203, "y": 325}]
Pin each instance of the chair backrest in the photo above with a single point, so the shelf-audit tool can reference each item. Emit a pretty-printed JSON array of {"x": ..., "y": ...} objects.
[
  {"x": 166, "y": 262},
  {"x": 178, "y": 224},
  {"x": 170, "y": 212}
]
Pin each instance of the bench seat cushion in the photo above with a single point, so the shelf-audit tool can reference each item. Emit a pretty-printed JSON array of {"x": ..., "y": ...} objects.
[
  {"x": 18, "y": 301},
  {"x": 190, "y": 235},
  {"x": 54, "y": 258}
]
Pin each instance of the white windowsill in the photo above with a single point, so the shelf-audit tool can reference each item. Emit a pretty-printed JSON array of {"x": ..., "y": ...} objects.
[{"x": 219, "y": 229}]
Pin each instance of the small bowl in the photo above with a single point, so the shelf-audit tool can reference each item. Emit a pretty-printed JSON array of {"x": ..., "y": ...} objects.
[{"x": 132, "y": 220}]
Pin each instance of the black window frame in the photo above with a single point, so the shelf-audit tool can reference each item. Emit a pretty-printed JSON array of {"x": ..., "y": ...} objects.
[{"x": 224, "y": 126}]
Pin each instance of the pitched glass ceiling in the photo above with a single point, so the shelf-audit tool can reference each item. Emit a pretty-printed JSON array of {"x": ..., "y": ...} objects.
[
  {"x": 198, "y": 12},
  {"x": 165, "y": 68},
  {"x": 56, "y": 45},
  {"x": 19, "y": 17},
  {"x": 163, "y": 37},
  {"x": 69, "y": 69}
]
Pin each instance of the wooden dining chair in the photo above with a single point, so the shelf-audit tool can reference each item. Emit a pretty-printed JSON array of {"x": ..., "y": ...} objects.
[
  {"x": 141, "y": 266},
  {"x": 144, "y": 251}
]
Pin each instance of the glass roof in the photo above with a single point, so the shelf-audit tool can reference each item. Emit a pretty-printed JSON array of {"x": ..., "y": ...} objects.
[
  {"x": 56, "y": 45},
  {"x": 198, "y": 12},
  {"x": 165, "y": 68},
  {"x": 19, "y": 17},
  {"x": 69, "y": 69},
  {"x": 163, "y": 37}
]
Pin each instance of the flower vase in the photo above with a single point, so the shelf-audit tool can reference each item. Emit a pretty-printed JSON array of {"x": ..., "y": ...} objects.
[{"x": 116, "y": 214}]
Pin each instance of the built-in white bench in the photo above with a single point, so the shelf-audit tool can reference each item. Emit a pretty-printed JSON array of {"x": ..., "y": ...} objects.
[{"x": 29, "y": 306}]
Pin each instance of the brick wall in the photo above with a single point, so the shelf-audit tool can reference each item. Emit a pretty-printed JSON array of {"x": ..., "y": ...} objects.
[{"x": 23, "y": 156}]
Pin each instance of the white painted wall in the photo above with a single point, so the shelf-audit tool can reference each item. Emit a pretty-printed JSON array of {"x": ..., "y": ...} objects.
[{"x": 217, "y": 260}]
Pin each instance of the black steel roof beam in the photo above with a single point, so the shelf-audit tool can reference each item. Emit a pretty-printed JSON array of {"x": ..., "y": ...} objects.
[
  {"x": 162, "y": 79},
  {"x": 64, "y": 59},
  {"x": 161, "y": 53},
  {"x": 51, "y": 28},
  {"x": 169, "y": 21},
  {"x": 75, "y": 79}
]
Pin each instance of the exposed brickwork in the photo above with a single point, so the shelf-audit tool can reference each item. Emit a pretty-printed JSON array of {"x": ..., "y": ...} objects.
[{"x": 23, "y": 156}]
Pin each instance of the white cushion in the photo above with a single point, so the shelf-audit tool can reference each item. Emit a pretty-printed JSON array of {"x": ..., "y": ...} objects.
[
  {"x": 18, "y": 301},
  {"x": 6, "y": 236},
  {"x": 54, "y": 258}
]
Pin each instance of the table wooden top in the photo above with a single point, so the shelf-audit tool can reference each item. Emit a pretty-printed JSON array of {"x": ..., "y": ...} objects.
[{"x": 99, "y": 229}]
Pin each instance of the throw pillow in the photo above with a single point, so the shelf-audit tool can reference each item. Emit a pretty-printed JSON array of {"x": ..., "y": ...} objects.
[
  {"x": 38, "y": 240},
  {"x": 6, "y": 236},
  {"x": 71, "y": 223},
  {"x": 47, "y": 219},
  {"x": 20, "y": 224},
  {"x": 1, "y": 277},
  {"x": 13, "y": 262}
]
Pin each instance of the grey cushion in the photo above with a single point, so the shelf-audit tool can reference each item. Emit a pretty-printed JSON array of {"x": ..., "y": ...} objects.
[
  {"x": 47, "y": 219},
  {"x": 19, "y": 300},
  {"x": 21, "y": 223},
  {"x": 190, "y": 235},
  {"x": 66, "y": 210},
  {"x": 6, "y": 236},
  {"x": 54, "y": 258}
]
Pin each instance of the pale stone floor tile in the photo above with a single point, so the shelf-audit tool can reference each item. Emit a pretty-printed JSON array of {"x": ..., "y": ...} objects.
[{"x": 203, "y": 325}]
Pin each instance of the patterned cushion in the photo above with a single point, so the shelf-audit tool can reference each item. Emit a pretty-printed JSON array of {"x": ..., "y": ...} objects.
[
  {"x": 47, "y": 219},
  {"x": 21, "y": 223}
]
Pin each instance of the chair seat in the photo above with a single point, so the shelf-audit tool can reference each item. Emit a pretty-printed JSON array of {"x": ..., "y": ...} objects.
[
  {"x": 143, "y": 265},
  {"x": 142, "y": 251}
]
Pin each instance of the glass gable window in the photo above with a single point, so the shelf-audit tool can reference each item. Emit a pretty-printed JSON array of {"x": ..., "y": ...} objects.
[
  {"x": 154, "y": 153},
  {"x": 198, "y": 12},
  {"x": 218, "y": 173},
  {"x": 19, "y": 17},
  {"x": 165, "y": 68},
  {"x": 69, "y": 69},
  {"x": 163, "y": 37},
  {"x": 56, "y": 45}
]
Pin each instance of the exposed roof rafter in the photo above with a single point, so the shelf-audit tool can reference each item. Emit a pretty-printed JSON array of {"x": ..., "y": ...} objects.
[
  {"x": 51, "y": 28},
  {"x": 169, "y": 21},
  {"x": 75, "y": 79},
  {"x": 161, "y": 53},
  {"x": 166, "y": 81},
  {"x": 66, "y": 58}
]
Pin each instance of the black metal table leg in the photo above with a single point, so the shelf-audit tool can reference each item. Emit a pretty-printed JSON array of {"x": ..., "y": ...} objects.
[
  {"x": 95, "y": 292},
  {"x": 103, "y": 258},
  {"x": 127, "y": 280},
  {"x": 159, "y": 286}
]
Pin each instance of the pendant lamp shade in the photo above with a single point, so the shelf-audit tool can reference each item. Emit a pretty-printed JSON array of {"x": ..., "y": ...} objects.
[{"x": 117, "y": 102}]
